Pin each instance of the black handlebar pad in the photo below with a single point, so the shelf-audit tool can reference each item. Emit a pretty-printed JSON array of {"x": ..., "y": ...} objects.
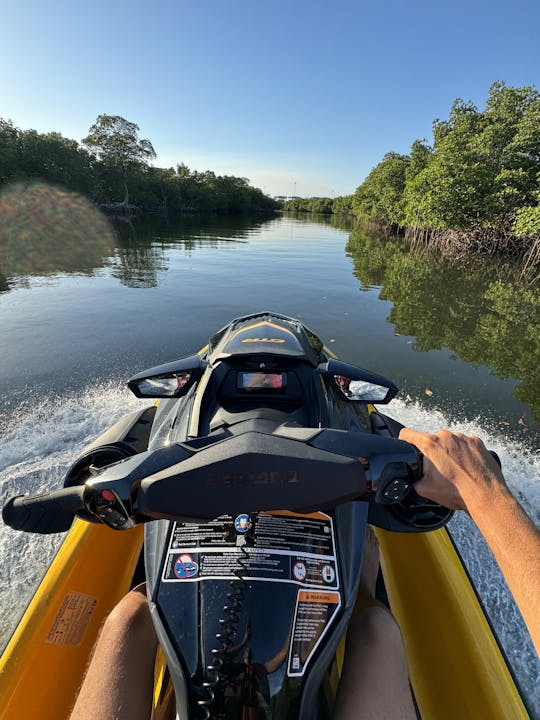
[
  {"x": 51, "y": 512},
  {"x": 252, "y": 472},
  {"x": 246, "y": 473}
]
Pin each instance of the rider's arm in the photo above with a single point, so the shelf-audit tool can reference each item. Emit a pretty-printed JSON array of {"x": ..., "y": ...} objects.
[{"x": 460, "y": 474}]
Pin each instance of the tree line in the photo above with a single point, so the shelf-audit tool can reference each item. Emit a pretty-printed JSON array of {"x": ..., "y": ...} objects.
[
  {"x": 476, "y": 187},
  {"x": 112, "y": 167},
  {"x": 323, "y": 205}
]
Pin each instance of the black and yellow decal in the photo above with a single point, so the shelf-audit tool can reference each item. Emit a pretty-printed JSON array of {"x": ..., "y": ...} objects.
[{"x": 264, "y": 337}]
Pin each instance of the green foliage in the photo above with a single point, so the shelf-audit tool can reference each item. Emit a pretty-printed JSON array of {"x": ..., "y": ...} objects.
[
  {"x": 380, "y": 197},
  {"x": 185, "y": 191},
  {"x": 527, "y": 222},
  {"x": 295, "y": 205},
  {"x": 419, "y": 158},
  {"x": 9, "y": 151},
  {"x": 29, "y": 155},
  {"x": 324, "y": 206},
  {"x": 450, "y": 191},
  {"x": 343, "y": 205},
  {"x": 481, "y": 171},
  {"x": 116, "y": 166},
  {"x": 115, "y": 141}
]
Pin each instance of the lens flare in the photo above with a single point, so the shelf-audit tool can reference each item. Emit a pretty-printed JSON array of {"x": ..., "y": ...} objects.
[{"x": 46, "y": 229}]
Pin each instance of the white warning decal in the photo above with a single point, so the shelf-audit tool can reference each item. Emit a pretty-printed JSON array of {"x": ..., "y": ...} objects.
[{"x": 278, "y": 547}]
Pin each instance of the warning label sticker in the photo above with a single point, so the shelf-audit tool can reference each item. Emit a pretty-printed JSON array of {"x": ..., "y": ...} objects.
[
  {"x": 313, "y": 616},
  {"x": 215, "y": 533},
  {"x": 72, "y": 619},
  {"x": 280, "y": 546}
]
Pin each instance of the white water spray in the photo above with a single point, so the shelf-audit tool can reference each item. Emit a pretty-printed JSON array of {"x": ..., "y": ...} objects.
[{"x": 38, "y": 443}]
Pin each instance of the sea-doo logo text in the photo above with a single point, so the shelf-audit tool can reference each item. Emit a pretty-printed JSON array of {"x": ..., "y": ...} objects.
[
  {"x": 273, "y": 340},
  {"x": 270, "y": 477}
]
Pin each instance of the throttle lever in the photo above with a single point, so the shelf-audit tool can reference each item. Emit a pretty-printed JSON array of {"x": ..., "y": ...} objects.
[{"x": 495, "y": 457}]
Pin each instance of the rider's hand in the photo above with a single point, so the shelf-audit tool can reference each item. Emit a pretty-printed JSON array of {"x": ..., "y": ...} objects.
[{"x": 458, "y": 470}]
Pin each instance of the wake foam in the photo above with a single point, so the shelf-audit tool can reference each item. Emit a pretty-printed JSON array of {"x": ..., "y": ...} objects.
[{"x": 39, "y": 442}]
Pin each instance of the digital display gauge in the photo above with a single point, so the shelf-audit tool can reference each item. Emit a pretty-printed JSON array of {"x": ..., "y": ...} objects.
[{"x": 261, "y": 381}]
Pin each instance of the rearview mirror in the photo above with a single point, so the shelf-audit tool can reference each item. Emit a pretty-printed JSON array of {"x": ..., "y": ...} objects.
[
  {"x": 358, "y": 385},
  {"x": 171, "y": 380}
]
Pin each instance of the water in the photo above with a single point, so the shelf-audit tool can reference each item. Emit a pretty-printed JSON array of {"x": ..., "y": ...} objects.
[{"x": 462, "y": 344}]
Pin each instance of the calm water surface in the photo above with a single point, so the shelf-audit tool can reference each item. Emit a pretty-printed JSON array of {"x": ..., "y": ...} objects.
[
  {"x": 464, "y": 341},
  {"x": 463, "y": 344}
]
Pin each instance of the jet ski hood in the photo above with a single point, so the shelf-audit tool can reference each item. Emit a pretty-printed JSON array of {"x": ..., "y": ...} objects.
[{"x": 267, "y": 334}]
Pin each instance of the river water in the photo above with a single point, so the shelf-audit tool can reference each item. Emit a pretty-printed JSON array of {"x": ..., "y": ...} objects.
[{"x": 84, "y": 304}]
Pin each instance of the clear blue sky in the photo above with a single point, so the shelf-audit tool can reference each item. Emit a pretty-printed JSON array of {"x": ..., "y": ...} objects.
[{"x": 304, "y": 95}]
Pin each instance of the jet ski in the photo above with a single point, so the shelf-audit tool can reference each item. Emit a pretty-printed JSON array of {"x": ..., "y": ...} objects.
[{"x": 241, "y": 494}]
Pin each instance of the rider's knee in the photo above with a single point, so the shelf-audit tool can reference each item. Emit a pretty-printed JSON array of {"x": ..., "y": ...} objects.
[
  {"x": 131, "y": 615},
  {"x": 375, "y": 626}
]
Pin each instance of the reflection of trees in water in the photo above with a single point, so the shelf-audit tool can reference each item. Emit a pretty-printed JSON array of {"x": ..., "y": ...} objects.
[
  {"x": 479, "y": 310},
  {"x": 46, "y": 230},
  {"x": 138, "y": 266},
  {"x": 4, "y": 284},
  {"x": 340, "y": 222},
  {"x": 198, "y": 241},
  {"x": 142, "y": 247},
  {"x": 183, "y": 228}
]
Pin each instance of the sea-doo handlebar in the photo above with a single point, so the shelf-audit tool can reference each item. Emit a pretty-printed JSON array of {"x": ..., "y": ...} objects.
[
  {"x": 291, "y": 468},
  {"x": 298, "y": 469}
]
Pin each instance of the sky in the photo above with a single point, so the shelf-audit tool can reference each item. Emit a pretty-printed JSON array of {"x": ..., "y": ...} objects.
[{"x": 303, "y": 98}]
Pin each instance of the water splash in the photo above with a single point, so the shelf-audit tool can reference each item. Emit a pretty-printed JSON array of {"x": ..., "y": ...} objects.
[{"x": 39, "y": 442}]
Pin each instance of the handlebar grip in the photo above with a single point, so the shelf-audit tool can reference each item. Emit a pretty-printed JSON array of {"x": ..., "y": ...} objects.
[
  {"x": 417, "y": 499},
  {"x": 51, "y": 512}
]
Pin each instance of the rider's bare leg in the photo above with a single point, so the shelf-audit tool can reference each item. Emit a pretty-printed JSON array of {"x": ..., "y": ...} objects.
[
  {"x": 374, "y": 683},
  {"x": 119, "y": 680}
]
